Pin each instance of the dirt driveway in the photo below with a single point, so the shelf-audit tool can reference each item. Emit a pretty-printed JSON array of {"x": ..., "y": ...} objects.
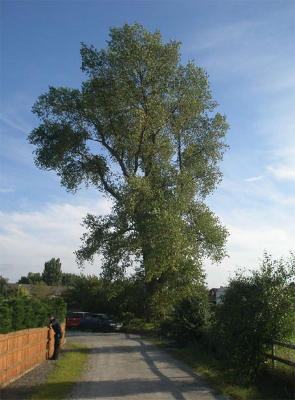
[{"x": 126, "y": 366}]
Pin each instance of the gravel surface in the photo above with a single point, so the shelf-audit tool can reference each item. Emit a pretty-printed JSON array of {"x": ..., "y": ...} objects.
[
  {"x": 120, "y": 366},
  {"x": 127, "y": 366}
]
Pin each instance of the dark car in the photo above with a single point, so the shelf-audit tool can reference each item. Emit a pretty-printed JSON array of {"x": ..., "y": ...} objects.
[
  {"x": 99, "y": 322},
  {"x": 74, "y": 318}
]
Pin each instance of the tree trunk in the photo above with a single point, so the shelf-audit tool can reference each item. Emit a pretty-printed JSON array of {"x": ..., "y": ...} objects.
[{"x": 150, "y": 289}]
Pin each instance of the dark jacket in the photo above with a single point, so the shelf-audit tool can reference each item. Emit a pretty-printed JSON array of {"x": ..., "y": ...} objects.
[{"x": 56, "y": 326}]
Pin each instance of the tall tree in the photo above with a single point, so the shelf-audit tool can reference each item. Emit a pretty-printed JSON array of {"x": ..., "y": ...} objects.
[
  {"x": 52, "y": 274},
  {"x": 141, "y": 130}
]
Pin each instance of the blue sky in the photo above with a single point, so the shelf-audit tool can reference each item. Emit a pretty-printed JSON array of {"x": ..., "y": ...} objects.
[{"x": 248, "y": 50}]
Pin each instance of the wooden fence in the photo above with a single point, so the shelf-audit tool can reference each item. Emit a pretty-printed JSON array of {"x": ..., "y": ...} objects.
[
  {"x": 21, "y": 351},
  {"x": 274, "y": 358}
]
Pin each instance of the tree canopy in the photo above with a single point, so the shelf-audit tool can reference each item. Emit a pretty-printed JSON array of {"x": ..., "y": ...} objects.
[{"x": 142, "y": 130}]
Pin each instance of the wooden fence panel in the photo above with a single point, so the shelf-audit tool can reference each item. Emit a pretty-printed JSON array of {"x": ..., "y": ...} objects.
[{"x": 22, "y": 351}]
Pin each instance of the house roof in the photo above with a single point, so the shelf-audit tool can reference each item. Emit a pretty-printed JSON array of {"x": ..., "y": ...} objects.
[{"x": 53, "y": 290}]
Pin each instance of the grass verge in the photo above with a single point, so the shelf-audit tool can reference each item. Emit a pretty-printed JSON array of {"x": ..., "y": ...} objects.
[
  {"x": 224, "y": 380},
  {"x": 140, "y": 326},
  {"x": 62, "y": 379}
]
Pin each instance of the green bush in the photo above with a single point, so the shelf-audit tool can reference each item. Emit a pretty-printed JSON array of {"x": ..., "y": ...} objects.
[
  {"x": 6, "y": 318},
  {"x": 256, "y": 308},
  {"x": 19, "y": 313},
  {"x": 58, "y": 308},
  {"x": 187, "y": 321},
  {"x": 38, "y": 313},
  {"x": 25, "y": 313}
]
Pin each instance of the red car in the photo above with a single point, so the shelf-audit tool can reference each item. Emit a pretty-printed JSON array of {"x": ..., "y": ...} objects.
[{"x": 73, "y": 319}]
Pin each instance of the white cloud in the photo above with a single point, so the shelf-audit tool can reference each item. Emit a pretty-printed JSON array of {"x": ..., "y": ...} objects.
[
  {"x": 30, "y": 239},
  {"x": 283, "y": 172},
  {"x": 6, "y": 190},
  {"x": 16, "y": 122},
  {"x": 16, "y": 113},
  {"x": 278, "y": 82},
  {"x": 223, "y": 34},
  {"x": 257, "y": 178},
  {"x": 251, "y": 233},
  {"x": 16, "y": 147},
  {"x": 259, "y": 216},
  {"x": 255, "y": 53}
]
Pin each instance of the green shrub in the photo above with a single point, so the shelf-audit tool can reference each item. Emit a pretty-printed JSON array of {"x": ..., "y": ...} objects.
[
  {"x": 6, "y": 317},
  {"x": 38, "y": 313},
  {"x": 19, "y": 313},
  {"x": 58, "y": 308},
  {"x": 187, "y": 321},
  {"x": 256, "y": 308},
  {"x": 25, "y": 313}
]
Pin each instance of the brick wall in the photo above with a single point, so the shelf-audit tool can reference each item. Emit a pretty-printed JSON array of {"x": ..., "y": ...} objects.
[{"x": 22, "y": 351}]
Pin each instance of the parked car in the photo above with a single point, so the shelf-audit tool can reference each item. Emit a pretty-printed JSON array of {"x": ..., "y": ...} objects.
[
  {"x": 74, "y": 318},
  {"x": 99, "y": 322}
]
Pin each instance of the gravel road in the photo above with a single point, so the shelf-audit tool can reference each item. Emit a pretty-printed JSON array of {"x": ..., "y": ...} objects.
[{"x": 127, "y": 366}]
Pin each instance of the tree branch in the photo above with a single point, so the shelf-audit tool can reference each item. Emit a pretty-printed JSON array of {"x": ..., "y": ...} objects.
[
  {"x": 139, "y": 149},
  {"x": 106, "y": 185},
  {"x": 113, "y": 152},
  {"x": 179, "y": 152}
]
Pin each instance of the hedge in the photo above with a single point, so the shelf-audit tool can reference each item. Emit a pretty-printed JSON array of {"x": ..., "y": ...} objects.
[{"x": 24, "y": 313}]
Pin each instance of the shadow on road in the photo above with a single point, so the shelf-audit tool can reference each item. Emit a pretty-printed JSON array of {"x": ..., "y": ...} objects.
[
  {"x": 197, "y": 385},
  {"x": 174, "y": 386},
  {"x": 116, "y": 389},
  {"x": 163, "y": 383}
]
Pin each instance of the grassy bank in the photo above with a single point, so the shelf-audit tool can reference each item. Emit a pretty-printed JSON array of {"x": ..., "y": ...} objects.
[
  {"x": 62, "y": 379},
  {"x": 224, "y": 379},
  {"x": 140, "y": 326}
]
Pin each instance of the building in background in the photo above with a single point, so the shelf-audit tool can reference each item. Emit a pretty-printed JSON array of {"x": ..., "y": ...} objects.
[{"x": 216, "y": 294}]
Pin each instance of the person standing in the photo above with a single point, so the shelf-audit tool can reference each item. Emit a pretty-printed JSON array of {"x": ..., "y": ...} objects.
[{"x": 55, "y": 325}]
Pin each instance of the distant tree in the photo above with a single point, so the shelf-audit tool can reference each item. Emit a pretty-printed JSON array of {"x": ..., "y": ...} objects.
[
  {"x": 92, "y": 293},
  {"x": 88, "y": 293},
  {"x": 52, "y": 274},
  {"x": 21, "y": 292},
  {"x": 69, "y": 279},
  {"x": 32, "y": 278},
  {"x": 4, "y": 287},
  {"x": 24, "y": 280}
]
